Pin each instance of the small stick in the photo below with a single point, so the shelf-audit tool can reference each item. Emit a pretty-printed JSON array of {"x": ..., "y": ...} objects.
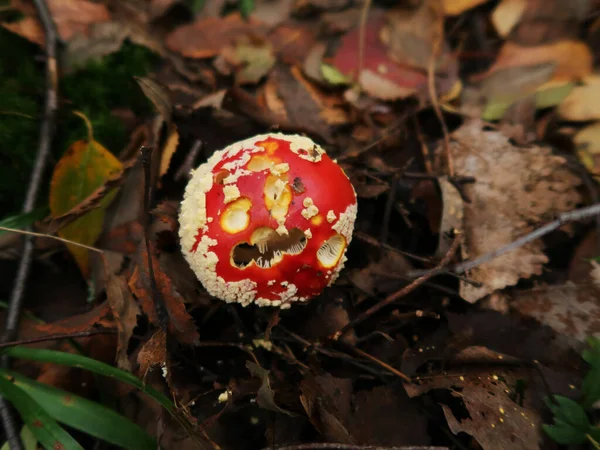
[
  {"x": 45, "y": 140},
  {"x": 382, "y": 364},
  {"x": 57, "y": 336},
  {"x": 402, "y": 292}
]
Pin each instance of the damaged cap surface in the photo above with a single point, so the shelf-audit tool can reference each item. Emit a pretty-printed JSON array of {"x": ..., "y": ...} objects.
[{"x": 267, "y": 220}]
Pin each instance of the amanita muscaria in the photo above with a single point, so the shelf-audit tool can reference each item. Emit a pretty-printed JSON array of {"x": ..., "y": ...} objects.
[{"x": 267, "y": 220}]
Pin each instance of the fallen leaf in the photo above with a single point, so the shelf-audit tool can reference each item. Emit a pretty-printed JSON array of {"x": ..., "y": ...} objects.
[
  {"x": 125, "y": 312},
  {"x": 207, "y": 37},
  {"x": 101, "y": 39},
  {"x": 572, "y": 59},
  {"x": 247, "y": 60},
  {"x": 181, "y": 323},
  {"x": 327, "y": 402},
  {"x": 456, "y": 7},
  {"x": 168, "y": 150},
  {"x": 492, "y": 417},
  {"x": 265, "y": 397},
  {"x": 153, "y": 353},
  {"x": 70, "y": 17},
  {"x": 292, "y": 43},
  {"x": 85, "y": 167},
  {"x": 527, "y": 187},
  {"x": 507, "y": 14},
  {"x": 583, "y": 103},
  {"x": 452, "y": 215},
  {"x": 587, "y": 141},
  {"x": 99, "y": 316}
]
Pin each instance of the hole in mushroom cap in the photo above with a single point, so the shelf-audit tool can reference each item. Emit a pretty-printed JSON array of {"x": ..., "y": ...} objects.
[
  {"x": 235, "y": 218},
  {"x": 267, "y": 247},
  {"x": 331, "y": 250},
  {"x": 220, "y": 176}
]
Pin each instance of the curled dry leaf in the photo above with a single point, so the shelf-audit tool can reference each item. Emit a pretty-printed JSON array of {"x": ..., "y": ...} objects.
[
  {"x": 100, "y": 316},
  {"x": 516, "y": 189},
  {"x": 181, "y": 323},
  {"x": 153, "y": 353},
  {"x": 125, "y": 311}
]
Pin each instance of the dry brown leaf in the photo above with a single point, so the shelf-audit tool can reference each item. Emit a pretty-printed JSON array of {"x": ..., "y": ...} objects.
[
  {"x": 205, "y": 38},
  {"x": 492, "y": 417},
  {"x": 100, "y": 316},
  {"x": 71, "y": 17},
  {"x": 125, "y": 310},
  {"x": 571, "y": 309},
  {"x": 168, "y": 150},
  {"x": 456, "y": 7},
  {"x": 583, "y": 103},
  {"x": 181, "y": 323},
  {"x": 572, "y": 59},
  {"x": 153, "y": 353},
  {"x": 516, "y": 189}
]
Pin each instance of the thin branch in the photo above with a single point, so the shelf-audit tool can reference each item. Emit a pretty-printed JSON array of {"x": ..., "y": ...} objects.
[
  {"x": 382, "y": 364},
  {"x": 58, "y": 336},
  {"x": 571, "y": 216},
  {"x": 49, "y": 236},
  {"x": 402, "y": 292},
  {"x": 45, "y": 140}
]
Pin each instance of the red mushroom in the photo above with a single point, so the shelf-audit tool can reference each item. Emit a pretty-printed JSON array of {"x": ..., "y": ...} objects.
[{"x": 267, "y": 220}]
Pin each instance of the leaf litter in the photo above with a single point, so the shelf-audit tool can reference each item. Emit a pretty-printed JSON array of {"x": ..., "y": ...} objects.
[{"x": 481, "y": 349}]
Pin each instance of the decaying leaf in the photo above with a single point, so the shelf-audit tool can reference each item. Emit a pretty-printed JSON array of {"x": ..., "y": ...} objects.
[
  {"x": 265, "y": 397},
  {"x": 72, "y": 17},
  {"x": 85, "y": 167},
  {"x": 100, "y": 316},
  {"x": 125, "y": 311},
  {"x": 516, "y": 189},
  {"x": 181, "y": 323},
  {"x": 492, "y": 415},
  {"x": 248, "y": 61},
  {"x": 153, "y": 353},
  {"x": 205, "y": 38},
  {"x": 572, "y": 309}
]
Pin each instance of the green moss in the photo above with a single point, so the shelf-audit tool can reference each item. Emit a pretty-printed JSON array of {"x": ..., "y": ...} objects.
[{"x": 96, "y": 90}]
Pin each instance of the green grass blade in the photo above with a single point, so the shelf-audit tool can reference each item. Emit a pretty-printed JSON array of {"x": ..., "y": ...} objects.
[
  {"x": 45, "y": 429},
  {"x": 27, "y": 438},
  {"x": 83, "y": 362},
  {"x": 20, "y": 221},
  {"x": 85, "y": 415}
]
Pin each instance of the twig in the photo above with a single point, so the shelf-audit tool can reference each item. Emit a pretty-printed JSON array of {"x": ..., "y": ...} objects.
[
  {"x": 49, "y": 236},
  {"x": 382, "y": 364},
  {"x": 337, "y": 446},
  {"x": 57, "y": 336},
  {"x": 571, "y": 216},
  {"x": 45, "y": 140},
  {"x": 402, "y": 292},
  {"x": 437, "y": 45}
]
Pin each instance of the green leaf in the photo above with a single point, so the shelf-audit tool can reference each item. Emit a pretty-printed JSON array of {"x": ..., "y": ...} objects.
[
  {"x": 45, "y": 429},
  {"x": 27, "y": 438},
  {"x": 85, "y": 415},
  {"x": 83, "y": 362},
  {"x": 246, "y": 7},
  {"x": 334, "y": 76},
  {"x": 591, "y": 387},
  {"x": 196, "y": 5},
  {"x": 592, "y": 354},
  {"x": 552, "y": 96},
  {"x": 21, "y": 221},
  {"x": 570, "y": 421}
]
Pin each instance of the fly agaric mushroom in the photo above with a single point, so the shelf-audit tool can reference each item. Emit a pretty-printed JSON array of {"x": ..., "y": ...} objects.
[{"x": 267, "y": 220}]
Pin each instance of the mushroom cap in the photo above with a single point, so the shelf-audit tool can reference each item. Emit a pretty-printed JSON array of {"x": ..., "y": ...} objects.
[{"x": 267, "y": 220}]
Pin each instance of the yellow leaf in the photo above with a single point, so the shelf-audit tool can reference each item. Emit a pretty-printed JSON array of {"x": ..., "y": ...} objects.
[
  {"x": 168, "y": 150},
  {"x": 583, "y": 103},
  {"x": 83, "y": 168},
  {"x": 587, "y": 141},
  {"x": 507, "y": 14},
  {"x": 456, "y": 7}
]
